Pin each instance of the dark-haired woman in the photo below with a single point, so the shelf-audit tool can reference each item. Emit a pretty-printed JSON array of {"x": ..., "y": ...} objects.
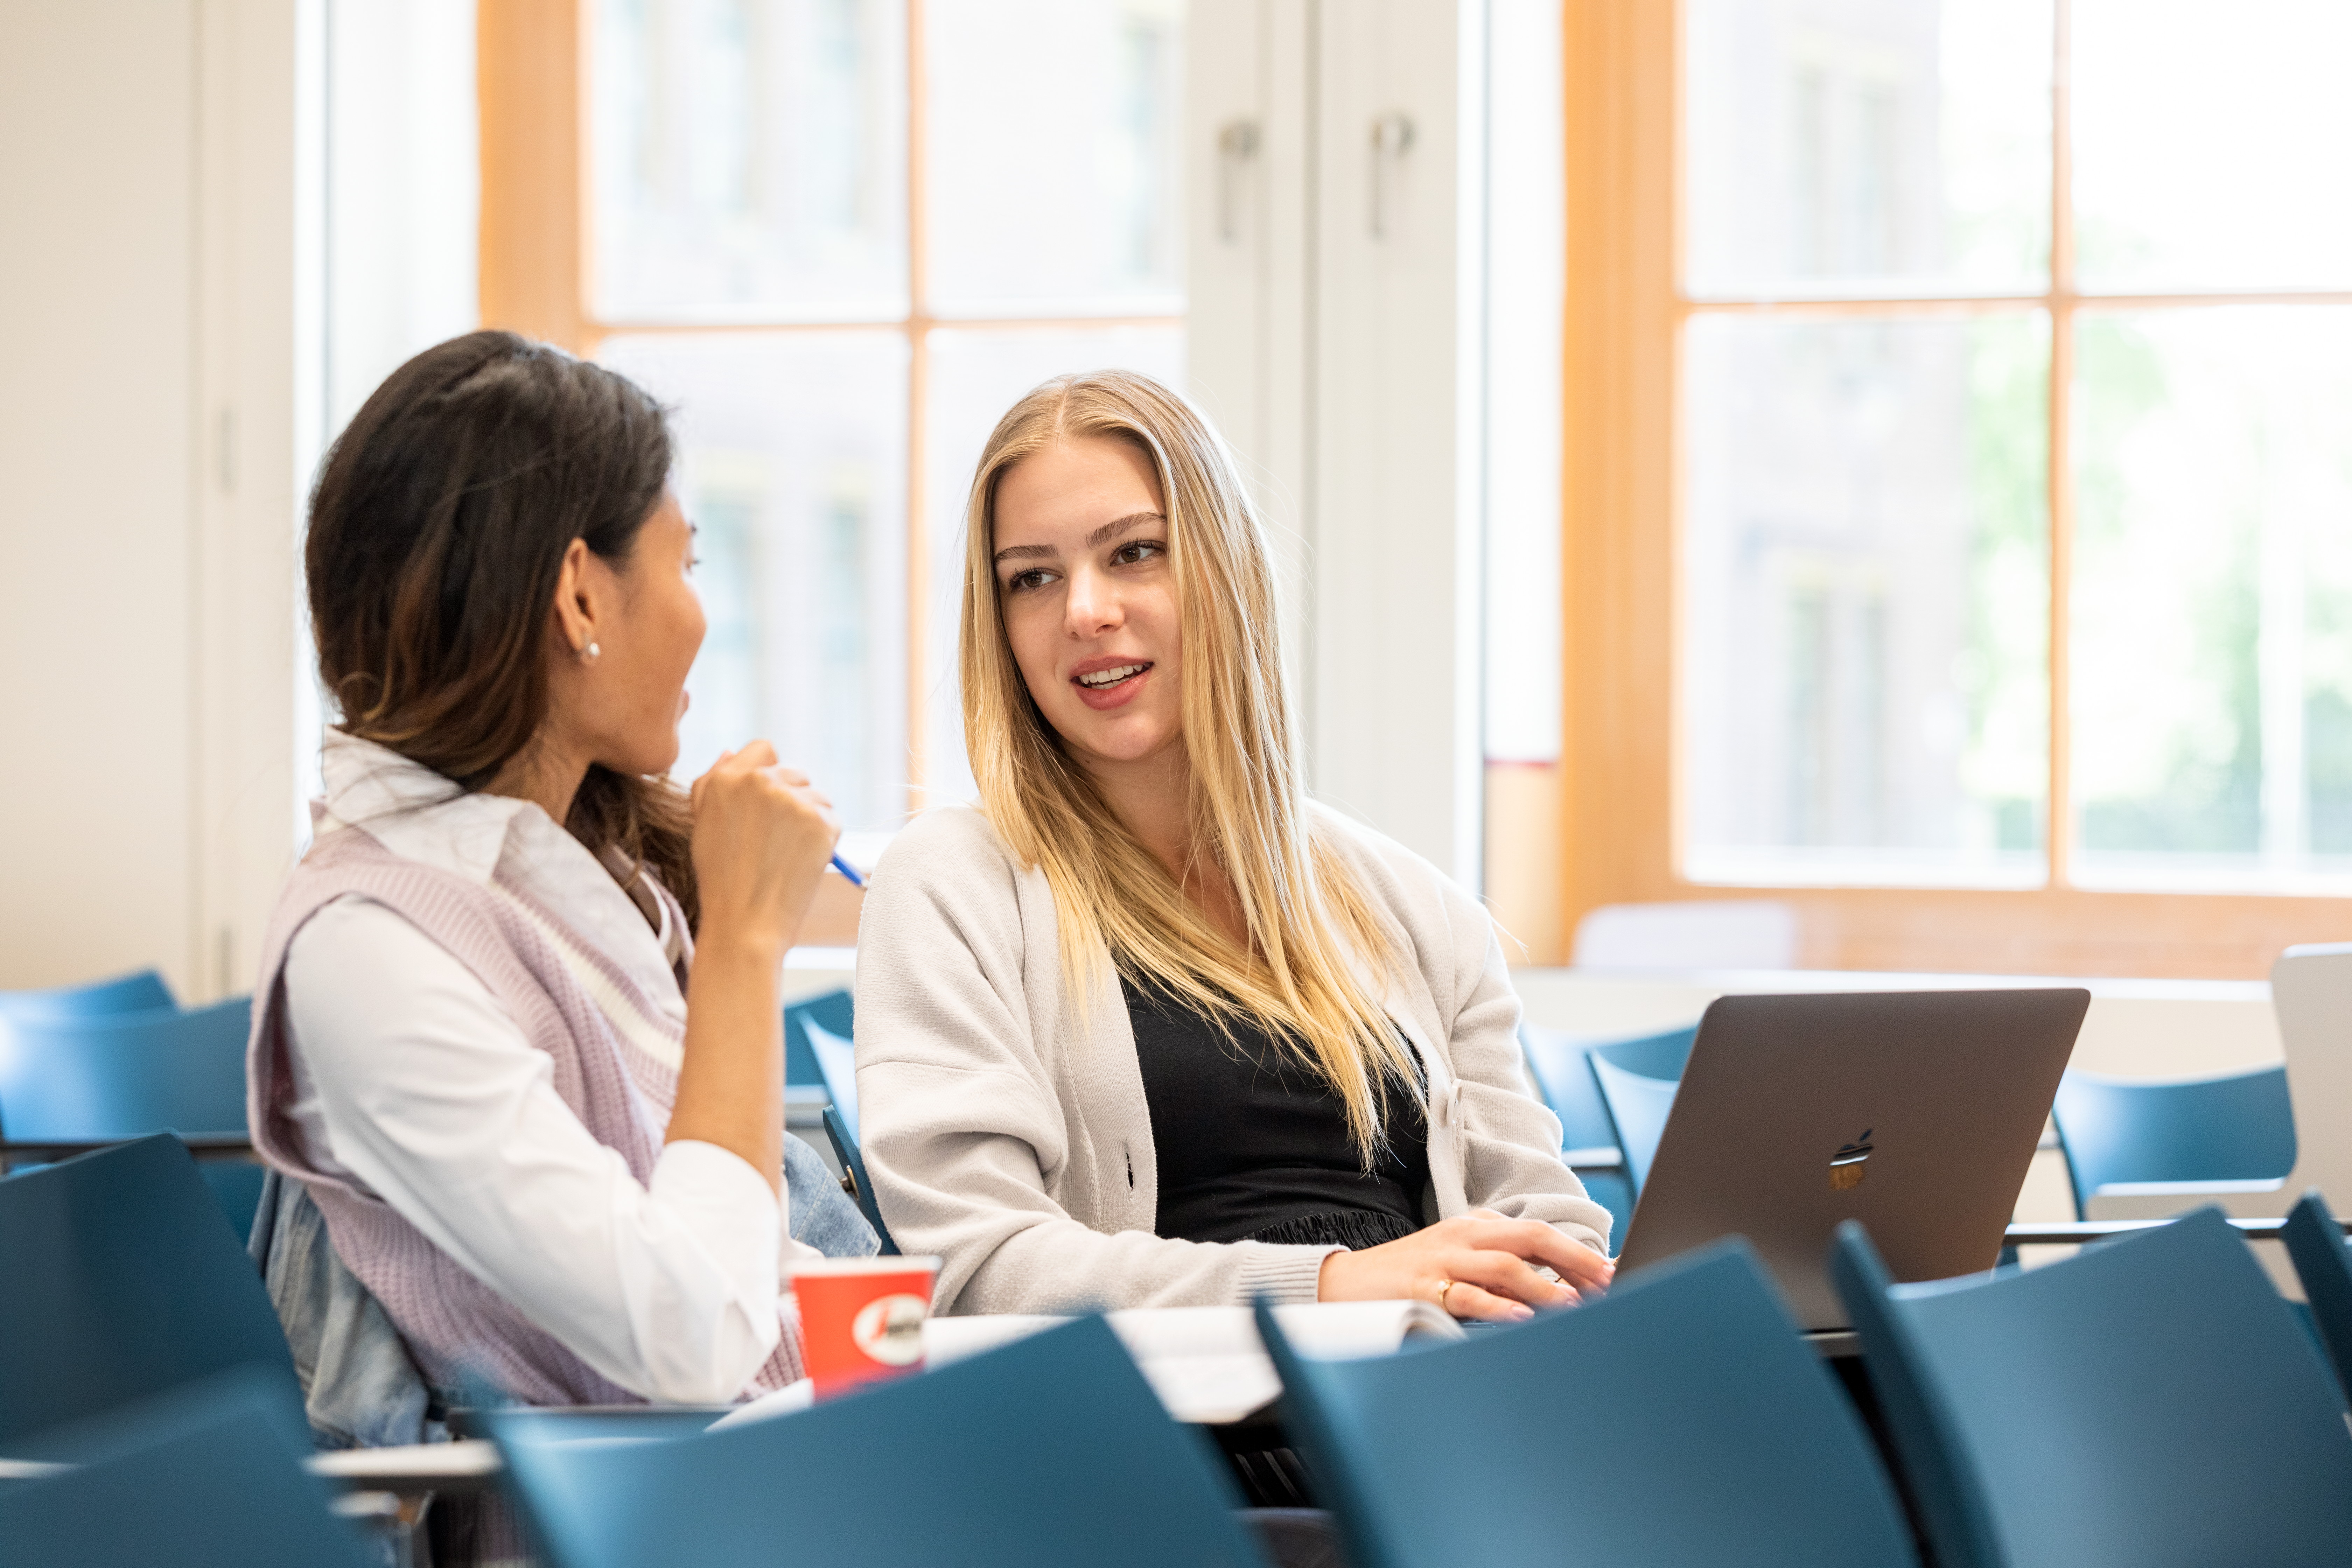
[{"x": 518, "y": 1033}]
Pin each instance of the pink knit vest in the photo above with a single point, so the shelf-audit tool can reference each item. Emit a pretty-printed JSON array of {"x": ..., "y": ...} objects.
[{"x": 457, "y": 1328}]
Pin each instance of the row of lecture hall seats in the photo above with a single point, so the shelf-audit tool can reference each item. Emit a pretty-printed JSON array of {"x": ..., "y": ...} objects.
[
  {"x": 2150, "y": 1402},
  {"x": 133, "y": 1391},
  {"x": 84, "y": 1066}
]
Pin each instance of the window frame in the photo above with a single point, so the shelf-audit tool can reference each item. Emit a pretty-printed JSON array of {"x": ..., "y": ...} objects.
[
  {"x": 536, "y": 260},
  {"x": 1618, "y": 788}
]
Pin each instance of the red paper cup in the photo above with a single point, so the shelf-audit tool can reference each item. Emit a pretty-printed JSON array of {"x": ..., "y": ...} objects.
[{"x": 862, "y": 1317}]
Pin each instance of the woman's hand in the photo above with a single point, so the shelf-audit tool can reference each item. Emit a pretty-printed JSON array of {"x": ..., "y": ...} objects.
[
  {"x": 1490, "y": 1261},
  {"x": 762, "y": 837}
]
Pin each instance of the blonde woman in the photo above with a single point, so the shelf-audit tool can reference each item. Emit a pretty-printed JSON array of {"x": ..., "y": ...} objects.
[{"x": 1149, "y": 1027}]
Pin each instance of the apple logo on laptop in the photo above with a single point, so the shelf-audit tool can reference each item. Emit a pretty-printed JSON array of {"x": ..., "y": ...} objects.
[{"x": 1849, "y": 1164}]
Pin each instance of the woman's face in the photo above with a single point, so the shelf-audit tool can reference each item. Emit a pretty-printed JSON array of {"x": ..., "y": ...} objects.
[
  {"x": 647, "y": 626},
  {"x": 1088, "y": 600}
]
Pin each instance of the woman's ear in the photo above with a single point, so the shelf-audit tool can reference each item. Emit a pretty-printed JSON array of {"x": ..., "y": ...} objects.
[{"x": 575, "y": 609}]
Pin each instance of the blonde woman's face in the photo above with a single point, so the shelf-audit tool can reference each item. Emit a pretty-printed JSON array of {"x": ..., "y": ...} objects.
[{"x": 1088, "y": 599}]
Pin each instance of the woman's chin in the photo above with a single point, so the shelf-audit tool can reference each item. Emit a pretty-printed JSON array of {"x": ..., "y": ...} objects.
[
  {"x": 649, "y": 761},
  {"x": 1122, "y": 741}
]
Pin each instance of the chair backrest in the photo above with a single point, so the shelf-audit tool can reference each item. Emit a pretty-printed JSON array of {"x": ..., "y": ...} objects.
[
  {"x": 1678, "y": 1420},
  {"x": 2311, "y": 987},
  {"x": 1556, "y": 1059},
  {"x": 201, "y": 1477},
  {"x": 126, "y": 1075},
  {"x": 122, "y": 1281},
  {"x": 835, "y": 1010},
  {"x": 2314, "y": 1240},
  {"x": 1638, "y": 1106},
  {"x": 2150, "y": 1402},
  {"x": 1661, "y": 1054},
  {"x": 2230, "y": 1133},
  {"x": 1709, "y": 933},
  {"x": 853, "y": 1160},
  {"x": 1050, "y": 1452},
  {"x": 836, "y": 1058},
  {"x": 141, "y": 993}
]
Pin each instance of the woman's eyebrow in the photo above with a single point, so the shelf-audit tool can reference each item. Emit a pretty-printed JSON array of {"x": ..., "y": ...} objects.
[
  {"x": 1112, "y": 530},
  {"x": 1098, "y": 537}
]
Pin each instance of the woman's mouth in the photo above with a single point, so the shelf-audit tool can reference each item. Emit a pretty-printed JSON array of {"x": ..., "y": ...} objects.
[{"x": 1107, "y": 683}]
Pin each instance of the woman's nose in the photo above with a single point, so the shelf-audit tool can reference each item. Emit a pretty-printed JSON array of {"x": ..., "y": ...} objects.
[{"x": 1092, "y": 606}]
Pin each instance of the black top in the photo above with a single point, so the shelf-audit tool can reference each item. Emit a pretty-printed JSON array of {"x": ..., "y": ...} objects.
[{"x": 1252, "y": 1144}]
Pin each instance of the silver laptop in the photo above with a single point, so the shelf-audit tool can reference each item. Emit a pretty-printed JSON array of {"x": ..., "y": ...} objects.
[{"x": 1915, "y": 1113}]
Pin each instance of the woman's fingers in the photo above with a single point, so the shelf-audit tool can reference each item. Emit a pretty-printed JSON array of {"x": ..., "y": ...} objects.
[
  {"x": 1465, "y": 1299},
  {"x": 1574, "y": 1262},
  {"x": 1501, "y": 1274}
]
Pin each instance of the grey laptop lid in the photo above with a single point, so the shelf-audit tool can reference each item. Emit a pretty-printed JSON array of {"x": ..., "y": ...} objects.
[{"x": 1915, "y": 1113}]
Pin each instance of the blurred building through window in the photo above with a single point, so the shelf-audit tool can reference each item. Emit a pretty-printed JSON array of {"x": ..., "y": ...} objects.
[
  {"x": 1916, "y": 391},
  {"x": 841, "y": 237}
]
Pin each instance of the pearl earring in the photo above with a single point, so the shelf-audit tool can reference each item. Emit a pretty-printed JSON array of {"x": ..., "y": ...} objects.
[{"x": 588, "y": 654}]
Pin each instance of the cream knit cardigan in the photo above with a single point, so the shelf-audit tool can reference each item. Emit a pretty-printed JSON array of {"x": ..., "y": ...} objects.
[{"x": 1006, "y": 1131}]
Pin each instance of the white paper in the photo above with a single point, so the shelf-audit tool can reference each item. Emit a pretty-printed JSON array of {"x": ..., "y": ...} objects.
[
  {"x": 1206, "y": 1363},
  {"x": 785, "y": 1400}
]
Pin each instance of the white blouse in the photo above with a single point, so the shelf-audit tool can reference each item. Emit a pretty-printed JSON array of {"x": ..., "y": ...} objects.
[{"x": 411, "y": 1081}]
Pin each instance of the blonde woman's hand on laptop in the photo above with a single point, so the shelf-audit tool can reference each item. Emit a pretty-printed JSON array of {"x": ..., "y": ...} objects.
[{"x": 1478, "y": 1265}]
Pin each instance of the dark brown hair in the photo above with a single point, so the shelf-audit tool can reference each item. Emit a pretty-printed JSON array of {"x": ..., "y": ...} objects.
[{"x": 437, "y": 533}]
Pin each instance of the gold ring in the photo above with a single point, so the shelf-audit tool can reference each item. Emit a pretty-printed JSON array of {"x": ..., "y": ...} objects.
[{"x": 1443, "y": 1286}]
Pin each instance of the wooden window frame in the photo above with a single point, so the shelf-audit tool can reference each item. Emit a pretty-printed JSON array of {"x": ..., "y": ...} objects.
[
  {"x": 1620, "y": 802},
  {"x": 533, "y": 64}
]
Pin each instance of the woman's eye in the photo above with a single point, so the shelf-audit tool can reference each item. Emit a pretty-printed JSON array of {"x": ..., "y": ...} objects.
[
  {"x": 1135, "y": 552},
  {"x": 1035, "y": 577}
]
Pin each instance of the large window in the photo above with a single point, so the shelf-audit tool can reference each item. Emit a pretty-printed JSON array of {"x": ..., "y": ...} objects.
[
  {"x": 1979, "y": 487},
  {"x": 841, "y": 237}
]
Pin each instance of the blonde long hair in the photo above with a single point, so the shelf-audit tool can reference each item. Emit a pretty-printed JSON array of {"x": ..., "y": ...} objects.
[{"x": 1317, "y": 953}]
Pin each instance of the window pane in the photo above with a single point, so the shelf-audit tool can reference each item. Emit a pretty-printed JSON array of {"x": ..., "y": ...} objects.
[
  {"x": 1866, "y": 600},
  {"x": 1837, "y": 148},
  {"x": 750, "y": 158},
  {"x": 2213, "y": 602},
  {"x": 976, "y": 376},
  {"x": 792, "y": 465},
  {"x": 1055, "y": 185},
  {"x": 2208, "y": 144}
]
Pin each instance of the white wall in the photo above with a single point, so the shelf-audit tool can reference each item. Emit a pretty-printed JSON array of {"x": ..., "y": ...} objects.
[{"x": 147, "y": 296}]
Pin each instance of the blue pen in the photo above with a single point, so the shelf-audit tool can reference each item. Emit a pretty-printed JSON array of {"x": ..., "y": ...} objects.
[{"x": 848, "y": 870}]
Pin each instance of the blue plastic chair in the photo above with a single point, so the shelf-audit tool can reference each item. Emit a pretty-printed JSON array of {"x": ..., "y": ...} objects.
[
  {"x": 121, "y": 1283},
  {"x": 832, "y": 1010},
  {"x": 2150, "y": 1402},
  {"x": 1557, "y": 1061},
  {"x": 1678, "y": 1420},
  {"x": 2322, "y": 1261},
  {"x": 127, "y": 1075},
  {"x": 140, "y": 993},
  {"x": 1050, "y": 1452},
  {"x": 2231, "y": 1132},
  {"x": 836, "y": 1060},
  {"x": 853, "y": 1160},
  {"x": 201, "y": 1477},
  {"x": 1638, "y": 1106}
]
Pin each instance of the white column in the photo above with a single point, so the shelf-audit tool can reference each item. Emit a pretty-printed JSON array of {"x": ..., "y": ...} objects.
[
  {"x": 1335, "y": 327},
  {"x": 250, "y": 483}
]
